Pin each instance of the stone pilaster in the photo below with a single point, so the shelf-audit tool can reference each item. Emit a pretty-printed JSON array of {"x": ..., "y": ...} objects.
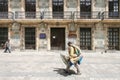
[
  {"x": 99, "y": 37},
  {"x": 15, "y": 36},
  {"x": 42, "y": 36},
  {"x": 21, "y": 38},
  {"x": 106, "y": 36},
  {"x": 92, "y": 37},
  {"x": 37, "y": 38},
  {"x": 119, "y": 39},
  {"x": 78, "y": 35},
  {"x": 48, "y": 38}
]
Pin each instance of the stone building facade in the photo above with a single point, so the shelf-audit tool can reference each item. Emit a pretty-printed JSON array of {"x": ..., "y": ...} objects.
[{"x": 51, "y": 24}]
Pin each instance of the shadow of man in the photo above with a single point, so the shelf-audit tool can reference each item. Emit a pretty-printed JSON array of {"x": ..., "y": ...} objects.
[{"x": 63, "y": 72}]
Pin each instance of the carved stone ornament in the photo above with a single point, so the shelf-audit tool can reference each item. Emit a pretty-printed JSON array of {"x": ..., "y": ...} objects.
[
  {"x": 15, "y": 3},
  {"x": 43, "y": 26},
  {"x": 71, "y": 3},
  {"x": 15, "y": 26},
  {"x": 43, "y": 3},
  {"x": 72, "y": 27},
  {"x": 100, "y": 3}
]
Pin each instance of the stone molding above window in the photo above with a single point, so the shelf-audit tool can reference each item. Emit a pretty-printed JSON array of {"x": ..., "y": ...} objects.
[
  {"x": 43, "y": 3},
  {"x": 71, "y": 3},
  {"x": 100, "y": 3},
  {"x": 15, "y": 3}
]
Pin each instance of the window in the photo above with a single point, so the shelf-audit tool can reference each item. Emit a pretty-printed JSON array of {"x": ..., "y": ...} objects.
[
  {"x": 113, "y": 38},
  {"x": 113, "y": 8},
  {"x": 3, "y": 5},
  {"x": 30, "y": 8},
  {"x": 85, "y": 8},
  {"x": 4, "y": 9},
  {"x": 58, "y": 9},
  {"x": 85, "y": 5}
]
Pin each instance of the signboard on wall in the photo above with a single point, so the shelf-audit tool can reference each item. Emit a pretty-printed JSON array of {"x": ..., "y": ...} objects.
[{"x": 42, "y": 36}]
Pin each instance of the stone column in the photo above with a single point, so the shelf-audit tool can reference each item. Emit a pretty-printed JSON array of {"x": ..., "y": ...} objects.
[
  {"x": 22, "y": 44},
  {"x": 22, "y": 37},
  {"x": 9, "y": 9},
  {"x": 9, "y": 31},
  {"x": 50, "y": 8},
  {"x": 106, "y": 37},
  {"x": 23, "y": 8},
  {"x": 37, "y": 38},
  {"x": 48, "y": 38},
  {"x": 78, "y": 36},
  {"x": 92, "y": 37}
]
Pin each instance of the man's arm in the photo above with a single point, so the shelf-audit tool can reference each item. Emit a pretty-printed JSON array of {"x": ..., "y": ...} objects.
[{"x": 78, "y": 49}]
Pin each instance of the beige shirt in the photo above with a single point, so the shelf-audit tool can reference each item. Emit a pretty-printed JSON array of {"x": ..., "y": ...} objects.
[{"x": 72, "y": 54}]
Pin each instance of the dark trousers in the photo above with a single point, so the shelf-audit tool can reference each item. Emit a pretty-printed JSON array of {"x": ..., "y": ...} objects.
[
  {"x": 7, "y": 48},
  {"x": 76, "y": 66}
]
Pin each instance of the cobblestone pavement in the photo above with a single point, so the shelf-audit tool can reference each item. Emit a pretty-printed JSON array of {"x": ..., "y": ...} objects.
[{"x": 47, "y": 65}]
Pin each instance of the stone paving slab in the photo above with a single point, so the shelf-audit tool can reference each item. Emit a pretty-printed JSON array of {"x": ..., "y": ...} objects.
[{"x": 47, "y": 65}]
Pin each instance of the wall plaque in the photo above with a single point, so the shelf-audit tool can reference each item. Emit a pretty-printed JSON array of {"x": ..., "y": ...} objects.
[
  {"x": 43, "y": 3},
  {"x": 15, "y": 3},
  {"x": 71, "y": 3},
  {"x": 100, "y": 3},
  {"x": 42, "y": 35}
]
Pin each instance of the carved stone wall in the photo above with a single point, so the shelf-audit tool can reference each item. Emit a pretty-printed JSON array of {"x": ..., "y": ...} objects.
[
  {"x": 100, "y": 3},
  {"x": 71, "y": 3},
  {"x": 43, "y": 3},
  {"x": 15, "y": 4}
]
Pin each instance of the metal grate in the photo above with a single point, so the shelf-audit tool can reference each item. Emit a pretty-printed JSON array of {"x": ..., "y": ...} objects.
[
  {"x": 113, "y": 38},
  {"x": 58, "y": 8},
  {"x": 85, "y": 38},
  {"x": 114, "y": 8}
]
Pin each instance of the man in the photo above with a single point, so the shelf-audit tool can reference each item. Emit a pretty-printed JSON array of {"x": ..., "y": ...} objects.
[
  {"x": 73, "y": 57},
  {"x": 7, "y": 46}
]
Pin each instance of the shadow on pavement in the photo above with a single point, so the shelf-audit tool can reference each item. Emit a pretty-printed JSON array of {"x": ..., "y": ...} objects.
[{"x": 62, "y": 71}]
